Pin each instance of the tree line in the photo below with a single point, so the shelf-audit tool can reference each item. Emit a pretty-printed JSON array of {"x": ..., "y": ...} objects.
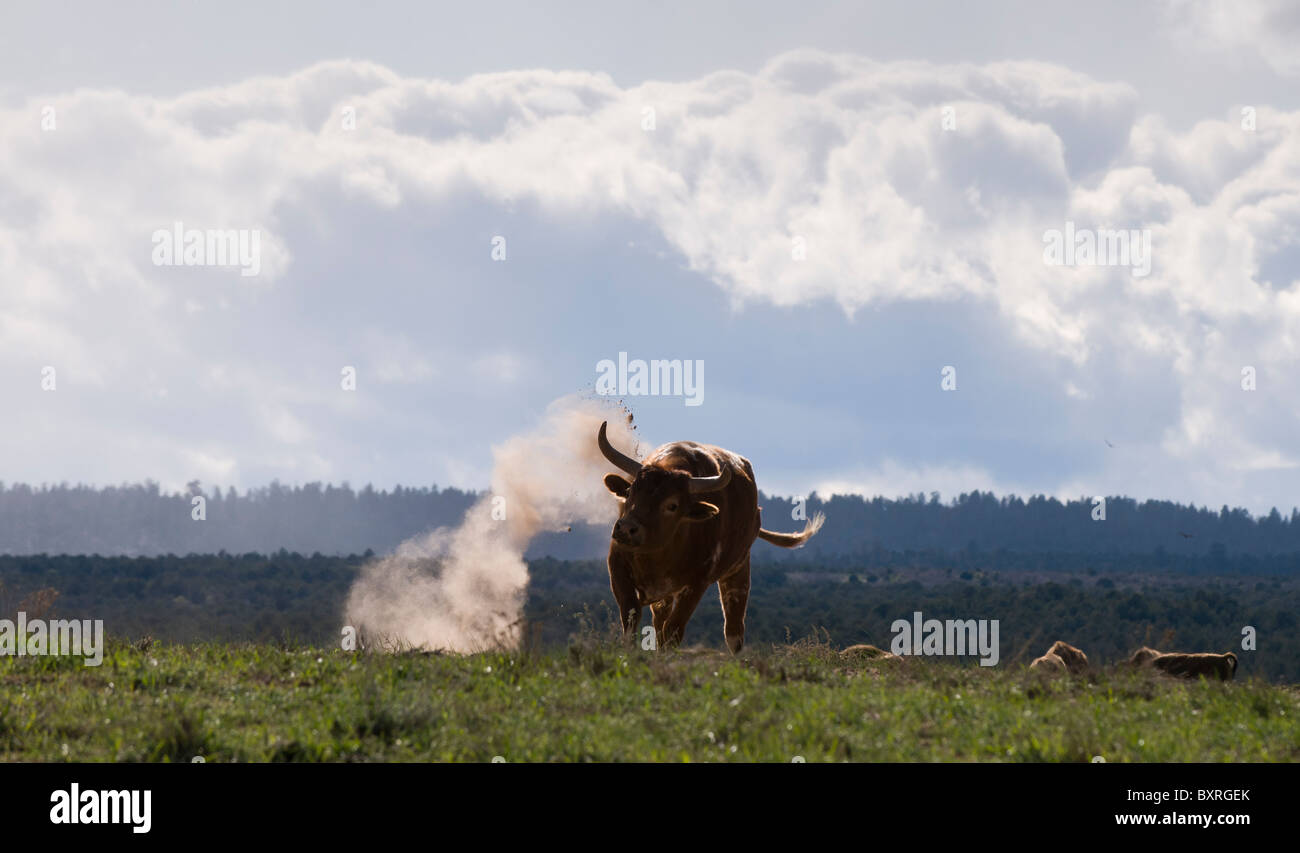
[{"x": 143, "y": 519}]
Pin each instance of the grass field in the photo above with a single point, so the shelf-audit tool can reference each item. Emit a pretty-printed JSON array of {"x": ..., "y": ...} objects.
[{"x": 600, "y": 701}]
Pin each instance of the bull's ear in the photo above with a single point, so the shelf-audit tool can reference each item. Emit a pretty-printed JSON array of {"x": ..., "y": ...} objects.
[
  {"x": 617, "y": 485},
  {"x": 701, "y": 511}
]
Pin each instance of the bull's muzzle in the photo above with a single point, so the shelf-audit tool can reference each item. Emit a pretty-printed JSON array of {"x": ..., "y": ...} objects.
[{"x": 629, "y": 533}]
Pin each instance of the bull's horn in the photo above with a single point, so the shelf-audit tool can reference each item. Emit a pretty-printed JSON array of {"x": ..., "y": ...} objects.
[
  {"x": 626, "y": 464},
  {"x": 711, "y": 484}
]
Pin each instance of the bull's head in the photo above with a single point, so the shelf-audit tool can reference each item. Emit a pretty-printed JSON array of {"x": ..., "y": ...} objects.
[{"x": 655, "y": 500}]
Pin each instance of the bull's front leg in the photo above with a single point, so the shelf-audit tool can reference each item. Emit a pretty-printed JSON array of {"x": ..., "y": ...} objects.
[
  {"x": 659, "y": 612},
  {"x": 684, "y": 604},
  {"x": 625, "y": 596}
]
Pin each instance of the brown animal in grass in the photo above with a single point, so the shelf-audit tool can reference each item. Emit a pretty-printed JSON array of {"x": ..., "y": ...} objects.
[
  {"x": 687, "y": 517},
  {"x": 1144, "y": 656},
  {"x": 1202, "y": 665},
  {"x": 1074, "y": 659},
  {"x": 863, "y": 650},
  {"x": 1050, "y": 663}
]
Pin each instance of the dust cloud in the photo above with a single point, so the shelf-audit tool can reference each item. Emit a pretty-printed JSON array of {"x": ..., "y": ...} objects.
[{"x": 462, "y": 589}]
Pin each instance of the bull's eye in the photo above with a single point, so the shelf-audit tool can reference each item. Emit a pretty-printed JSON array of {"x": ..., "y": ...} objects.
[{"x": 671, "y": 506}]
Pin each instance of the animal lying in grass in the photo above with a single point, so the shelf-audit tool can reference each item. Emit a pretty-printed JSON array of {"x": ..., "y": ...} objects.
[
  {"x": 1203, "y": 665},
  {"x": 1050, "y": 663},
  {"x": 1183, "y": 665},
  {"x": 1074, "y": 659},
  {"x": 1144, "y": 656},
  {"x": 1062, "y": 657},
  {"x": 863, "y": 651}
]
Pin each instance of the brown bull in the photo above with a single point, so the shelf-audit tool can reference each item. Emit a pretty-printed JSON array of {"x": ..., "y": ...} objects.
[
  {"x": 864, "y": 651},
  {"x": 686, "y": 520},
  {"x": 1074, "y": 659},
  {"x": 1144, "y": 656},
  {"x": 1222, "y": 667},
  {"x": 1049, "y": 662}
]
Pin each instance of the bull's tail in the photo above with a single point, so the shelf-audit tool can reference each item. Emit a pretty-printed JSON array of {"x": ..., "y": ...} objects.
[{"x": 794, "y": 540}]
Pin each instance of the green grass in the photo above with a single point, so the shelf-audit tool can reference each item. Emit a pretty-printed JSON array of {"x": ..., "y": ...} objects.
[{"x": 601, "y": 701}]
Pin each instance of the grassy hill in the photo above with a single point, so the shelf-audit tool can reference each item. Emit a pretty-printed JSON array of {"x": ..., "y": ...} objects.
[{"x": 597, "y": 700}]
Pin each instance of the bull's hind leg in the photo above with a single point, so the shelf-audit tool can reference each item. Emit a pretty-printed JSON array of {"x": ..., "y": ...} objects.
[{"x": 733, "y": 592}]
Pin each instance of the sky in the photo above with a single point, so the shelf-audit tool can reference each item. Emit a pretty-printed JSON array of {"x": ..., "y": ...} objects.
[{"x": 844, "y": 211}]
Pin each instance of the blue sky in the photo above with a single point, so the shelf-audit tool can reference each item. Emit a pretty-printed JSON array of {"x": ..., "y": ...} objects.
[{"x": 832, "y": 206}]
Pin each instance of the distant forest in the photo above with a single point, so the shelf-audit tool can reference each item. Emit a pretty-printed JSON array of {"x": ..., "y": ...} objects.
[{"x": 143, "y": 520}]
